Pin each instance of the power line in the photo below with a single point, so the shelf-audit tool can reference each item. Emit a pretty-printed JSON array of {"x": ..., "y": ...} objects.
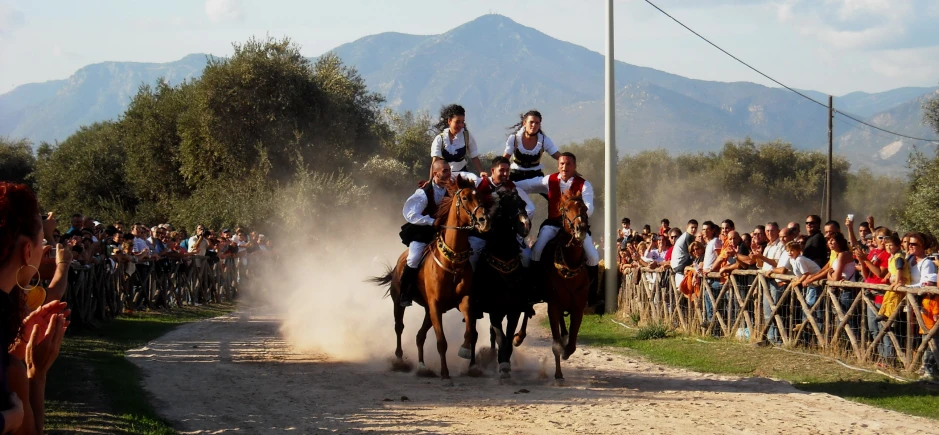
[{"x": 780, "y": 83}]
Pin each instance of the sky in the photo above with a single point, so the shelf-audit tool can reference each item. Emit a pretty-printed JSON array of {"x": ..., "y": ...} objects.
[{"x": 831, "y": 46}]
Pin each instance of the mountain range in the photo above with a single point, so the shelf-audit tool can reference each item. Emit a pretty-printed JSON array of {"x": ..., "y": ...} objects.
[{"x": 497, "y": 68}]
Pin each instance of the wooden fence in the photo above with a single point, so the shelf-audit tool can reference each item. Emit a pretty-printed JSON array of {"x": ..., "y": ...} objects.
[
  {"x": 102, "y": 291},
  {"x": 838, "y": 318}
]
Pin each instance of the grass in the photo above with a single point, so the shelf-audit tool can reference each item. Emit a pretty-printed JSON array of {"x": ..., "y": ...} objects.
[
  {"x": 805, "y": 372},
  {"x": 92, "y": 387}
]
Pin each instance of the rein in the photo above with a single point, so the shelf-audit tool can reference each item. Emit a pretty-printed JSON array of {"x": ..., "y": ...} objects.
[
  {"x": 570, "y": 222},
  {"x": 461, "y": 206}
]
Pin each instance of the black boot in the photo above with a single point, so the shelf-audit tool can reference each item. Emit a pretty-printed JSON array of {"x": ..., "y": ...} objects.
[{"x": 408, "y": 276}]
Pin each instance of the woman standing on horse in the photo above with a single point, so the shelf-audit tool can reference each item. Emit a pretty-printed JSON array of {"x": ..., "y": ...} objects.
[
  {"x": 526, "y": 145},
  {"x": 454, "y": 144}
]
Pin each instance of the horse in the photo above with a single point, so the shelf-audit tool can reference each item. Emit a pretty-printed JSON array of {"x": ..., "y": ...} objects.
[
  {"x": 499, "y": 283},
  {"x": 566, "y": 278},
  {"x": 444, "y": 281}
]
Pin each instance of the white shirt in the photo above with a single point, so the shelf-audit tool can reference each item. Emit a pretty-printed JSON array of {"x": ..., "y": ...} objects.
[
  {"x": 201, "y": 248},
  {"x": 442, "y": 142},
  {"x": 540, "y": 185},
  {"x": 415, "y": 204},
  {"x": 922, "y": 272},
  {"x": 711, "y": 252},
  {"x": 785, "y": 262},
  {"x": 654, "y": 256},
  {"x": 529, "y": 205},
  {"x": 774, "y": 251},
  {"x": 515, "y": 141},
  {"x": 803, "y": 266}
]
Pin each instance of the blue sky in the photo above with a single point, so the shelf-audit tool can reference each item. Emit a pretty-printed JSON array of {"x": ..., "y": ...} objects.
[{"x": 834, "y": 46}]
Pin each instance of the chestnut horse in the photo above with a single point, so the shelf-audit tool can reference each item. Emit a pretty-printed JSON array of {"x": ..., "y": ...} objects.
[
  {"x": 566, "y": 277},
  {"x": 500, "y": 286},
  {"x": 444, "y": 281}
]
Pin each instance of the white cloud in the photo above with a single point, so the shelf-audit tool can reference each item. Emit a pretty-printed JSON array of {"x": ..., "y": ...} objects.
[
  {"x": 913, "y": 65},
  {"x": 10, "y": 19},
  {"x": 224, "y": 10},
  {"x": 863, "y": 24}
]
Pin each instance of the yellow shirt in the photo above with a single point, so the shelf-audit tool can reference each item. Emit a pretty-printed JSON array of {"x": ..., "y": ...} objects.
[{"x": 832, "y": 258}]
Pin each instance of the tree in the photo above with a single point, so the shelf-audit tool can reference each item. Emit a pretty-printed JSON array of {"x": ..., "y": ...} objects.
[
  {"x": 17, "y": 161},
  {"x": 921, "y": 208}
]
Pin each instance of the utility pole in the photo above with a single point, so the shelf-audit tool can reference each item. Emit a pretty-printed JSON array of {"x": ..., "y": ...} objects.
[
  {"x": 610, "y": 258},
  {"x": 831, "y": 121}
]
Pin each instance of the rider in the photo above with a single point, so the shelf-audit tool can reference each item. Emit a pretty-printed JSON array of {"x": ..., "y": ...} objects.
[
  {"x": 566, "y": 179},
  {"x": 419, "y": 210},
  {"x": 525, "y": 146},
  {"x": 499, "y": 181},
  {"x": 454, "y": 144}
]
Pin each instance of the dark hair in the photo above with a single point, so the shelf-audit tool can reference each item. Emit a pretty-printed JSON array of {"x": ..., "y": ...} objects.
[
  {"x": 709, "y": 224},
  {"x": 647, "y": 227},
  {"x": 840, "y": 241},
  {"x": 864, "y": 224},
  {"x": 626, "y": 220},
  {"x": 761, "y": 228},
  {"x": 815, "y": 218},
  {"x": 666, "y": 222},
  {"x": 19, "y": 216},
  {"x": 521, "y": 123},
  {"x": 729, "y": 223},
  {"x": 693, "y": 221},
  {"x": 78, "y": 215},
  {"x": 772, "y": 224},
  {"x": 499, "y": 160},
  {"x": 570, "y": 155},
  {"x": 833, "y": 224},
  {"x": 892, "y": 238},
  {"x": 447, "y": 113}
]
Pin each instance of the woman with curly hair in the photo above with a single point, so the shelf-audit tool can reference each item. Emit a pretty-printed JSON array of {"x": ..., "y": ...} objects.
[
  {"x": 525, "y": 146},
  {"x": 31, "y": 340},
  {"x": 453, "y": 142}
]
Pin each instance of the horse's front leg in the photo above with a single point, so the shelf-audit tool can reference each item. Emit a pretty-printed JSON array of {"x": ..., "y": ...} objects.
[
  {"x": 505, "y": 348},
  {"x": 436, "y": 319},
  {"x": 468, "y": 349},
  {"x": 422, "y": 369},
  {"x": 520, "y": 335},
  {"x": 571, "y": 345},
  {"x": 555, "y": 318}
]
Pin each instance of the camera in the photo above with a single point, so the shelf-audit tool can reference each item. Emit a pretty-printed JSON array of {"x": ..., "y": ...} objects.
[{"x": 206, "y": 234}]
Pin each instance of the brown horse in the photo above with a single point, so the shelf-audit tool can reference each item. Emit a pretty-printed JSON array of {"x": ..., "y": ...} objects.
[
  {"x": 444, "y": 281},
  {"x": 567, "y": 279}
]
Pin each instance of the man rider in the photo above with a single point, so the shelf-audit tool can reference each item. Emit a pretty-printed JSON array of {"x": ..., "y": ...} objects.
[
  {"x": 419, "y": 210},
  {"x": 499, "y": 181},
  {"x": 555, "y": 185}
]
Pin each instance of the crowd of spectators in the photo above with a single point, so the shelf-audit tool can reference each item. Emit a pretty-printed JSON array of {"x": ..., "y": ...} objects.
[{"x": 831, "y": 252}]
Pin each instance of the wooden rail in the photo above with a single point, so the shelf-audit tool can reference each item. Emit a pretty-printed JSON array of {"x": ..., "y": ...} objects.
[{"x": 839, "y": 318}]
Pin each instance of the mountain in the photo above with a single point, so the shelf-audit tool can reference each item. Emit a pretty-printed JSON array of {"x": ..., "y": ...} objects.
[
  {"x": 53, "y": 110},
  {"x": 497, "y": 68}
]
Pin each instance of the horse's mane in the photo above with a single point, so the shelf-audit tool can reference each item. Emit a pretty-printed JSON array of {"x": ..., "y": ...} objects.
[{"x": 443, "y": 209}]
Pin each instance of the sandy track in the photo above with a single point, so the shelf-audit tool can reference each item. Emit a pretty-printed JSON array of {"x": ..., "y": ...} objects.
[{"x": 234, "y": 374}]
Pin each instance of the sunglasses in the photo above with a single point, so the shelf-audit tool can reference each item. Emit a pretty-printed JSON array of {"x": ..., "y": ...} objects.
[
  {"x": 912, "y": 244},
  {"x": 880, "y": 237},
  {"x": 811, "y": 223}
]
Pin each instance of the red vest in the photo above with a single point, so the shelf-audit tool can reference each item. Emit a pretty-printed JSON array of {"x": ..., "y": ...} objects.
[
  {"x": 554, "y": 193},
  {"x": 486, "y": 187}
]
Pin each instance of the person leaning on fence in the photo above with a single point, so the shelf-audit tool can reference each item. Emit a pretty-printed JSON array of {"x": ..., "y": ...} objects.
[
  {"x": 930, "y": 304},
  {"x": 922, "y": 269},
  {"x": 681, "y": 253},
  {"x": 712, "y": 250},
  {"x": 804, "y": 269},
  {"x": 899, "y": 275}
]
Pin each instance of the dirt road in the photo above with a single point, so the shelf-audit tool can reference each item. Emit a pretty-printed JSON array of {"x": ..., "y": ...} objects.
[{"x": 234, "y": 374}]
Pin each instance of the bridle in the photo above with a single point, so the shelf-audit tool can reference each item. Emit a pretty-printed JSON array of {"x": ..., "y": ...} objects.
[
  {"x": 461, "y": 206},
  {"x": 568, "y": 221}
]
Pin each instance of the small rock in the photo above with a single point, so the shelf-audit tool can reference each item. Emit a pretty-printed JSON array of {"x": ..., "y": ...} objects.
[
  {"x": 609, "y": 359},
  {"x": 523, "y": 391},
  {"x": 195, "y": 346},
  {"x": 405, "y": 399},
  {"x": 387, "y": 400}
]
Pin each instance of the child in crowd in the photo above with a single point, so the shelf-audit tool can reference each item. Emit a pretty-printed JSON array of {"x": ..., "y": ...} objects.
[
  {"x": 899, "y": 276},
  {"x": 803, "y": 268}
]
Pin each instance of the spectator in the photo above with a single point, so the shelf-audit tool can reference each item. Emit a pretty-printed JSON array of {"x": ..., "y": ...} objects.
[
  {"x": 710, "y": 264},
  {"x": 930, "y": 317},
  {"x": 768, "y": 258},
  {"x": 664, "y": 228},
  {"x": 904, "y": 243},
  {"x": 654, "y": 256},
  {"x": 681, "y": 255},
  {"x": 815, "y": 246},
  {"x": 22, "y": 390},
  {"x": 198, "y": 243},
  {"x": 76, "y": 227},
  {"x": 874, "y": 269},
  {"x": 624, "y": 232},
  {"x": 798, "y": 232},
  {"x": 646, "y": 232},
  {"x": 922, "y": 269},
  {"x": 119, "y": 225},
  {"x": 804, "y": 269},
  {"x": 899, "y": 276}
]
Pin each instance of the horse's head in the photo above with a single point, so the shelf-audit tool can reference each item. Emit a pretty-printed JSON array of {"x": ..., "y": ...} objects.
[
  {"x": 574, "y": 216},
  {"x": 509, "y": 210},
  {"x": 466, "y": 205}
]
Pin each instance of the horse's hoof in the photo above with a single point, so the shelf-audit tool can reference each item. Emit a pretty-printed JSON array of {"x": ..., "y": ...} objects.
[
  {"x": 424, "y": 372},
  {"x": 505, "y": 367},
  {"x": 400, "y": 365},
  {"x": 506, "y": 379},
  {"x": 566, "y": 354},
  {"x": 465, "y": 353},
  {"x": 517, "y": 341},
  {"x": 474, "y": 372}
]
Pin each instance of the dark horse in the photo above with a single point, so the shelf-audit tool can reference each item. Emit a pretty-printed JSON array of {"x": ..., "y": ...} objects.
[
  {"x": 499, "y": 281},
  {"x": 444, "y": 281},
  {"x": 567, "y": 279}
]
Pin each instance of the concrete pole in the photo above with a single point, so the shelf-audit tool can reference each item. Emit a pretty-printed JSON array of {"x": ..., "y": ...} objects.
[{"x": 609, "y": 196}]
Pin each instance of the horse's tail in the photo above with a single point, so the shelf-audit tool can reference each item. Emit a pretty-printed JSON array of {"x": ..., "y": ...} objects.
[{"x": 383, "y": 280}]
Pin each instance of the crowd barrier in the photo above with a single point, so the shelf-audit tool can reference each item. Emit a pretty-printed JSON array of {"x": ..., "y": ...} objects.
[
  {"x": 99, "y": 292},
  {"x": 838, "y": 318}
]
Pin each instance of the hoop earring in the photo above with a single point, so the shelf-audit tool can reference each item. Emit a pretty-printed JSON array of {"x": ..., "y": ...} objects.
[{"x": 17, "y": 278}]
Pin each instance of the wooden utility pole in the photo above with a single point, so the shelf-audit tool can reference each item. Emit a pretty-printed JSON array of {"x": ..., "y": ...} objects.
[{"x": 831, "y": 121}]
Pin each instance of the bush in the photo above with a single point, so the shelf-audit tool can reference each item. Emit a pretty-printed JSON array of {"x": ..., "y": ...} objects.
[{"x": 652, "y": 331}]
